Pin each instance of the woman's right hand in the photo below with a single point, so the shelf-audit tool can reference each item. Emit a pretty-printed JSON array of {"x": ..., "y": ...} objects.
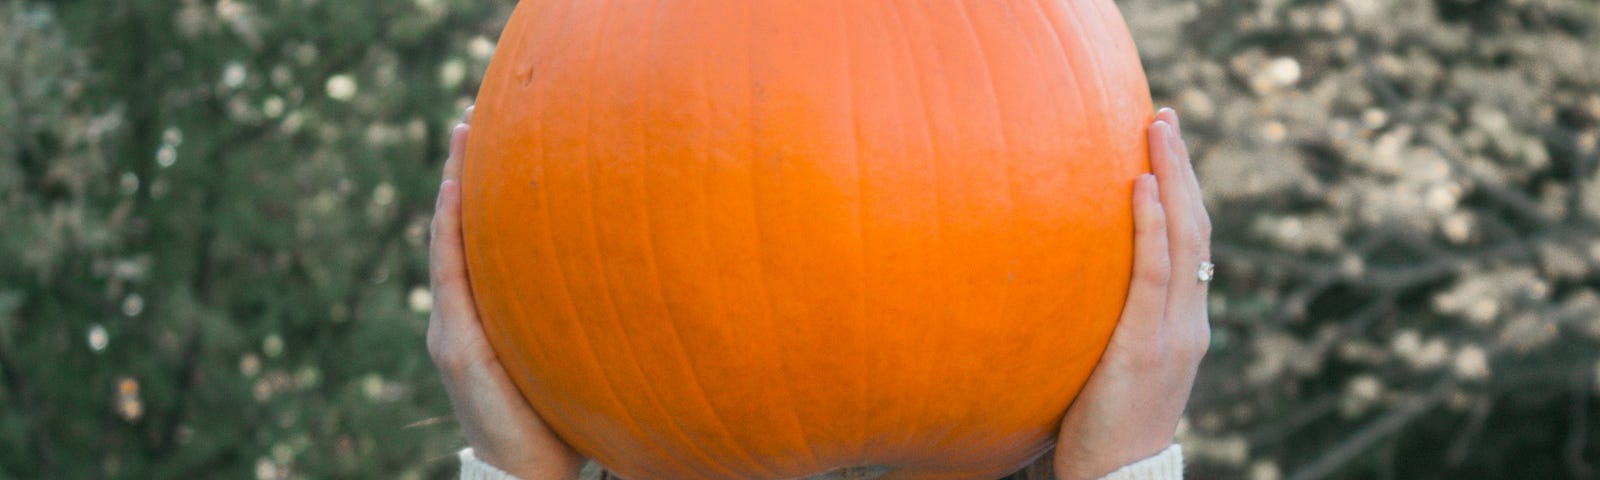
[{"x": 501, "y": 428}]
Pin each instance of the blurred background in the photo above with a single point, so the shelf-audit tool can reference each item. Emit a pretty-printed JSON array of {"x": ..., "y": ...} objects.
[{"x": 213, "y": 216}]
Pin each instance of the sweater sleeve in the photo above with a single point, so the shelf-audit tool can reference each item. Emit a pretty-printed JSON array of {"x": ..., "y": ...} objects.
[
  {"x": 474, "y": 469},
  {"x": 1167, "y": 465}
]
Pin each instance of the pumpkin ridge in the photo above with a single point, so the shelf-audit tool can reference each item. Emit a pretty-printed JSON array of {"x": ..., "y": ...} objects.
[
  {"x": 607, "y": 288},
  {"x": 860, "y": 323},
  {"x": 937, "y": 60},
  {"x": 761, "y": 236},
  {"x": 587, "y": 349},
  {"x": 1096, "y": 71},
  {"x": 931, "y": 143},
  {"x": 669, "y": 319},
  {"x": 653, "y": 252},
  {"x": 707, "y": 164}
]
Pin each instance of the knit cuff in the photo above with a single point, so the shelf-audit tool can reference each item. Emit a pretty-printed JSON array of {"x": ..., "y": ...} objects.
[
  {"x": 474, "y": 469},
  {"x": 1167, "y": 465}
]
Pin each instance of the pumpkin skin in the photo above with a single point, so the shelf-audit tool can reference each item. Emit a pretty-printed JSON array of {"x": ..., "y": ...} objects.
[{"x": 772, "y": 239}]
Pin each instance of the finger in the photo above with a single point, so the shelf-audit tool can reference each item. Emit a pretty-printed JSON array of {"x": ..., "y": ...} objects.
[
  {"x": 458, "y": 149},
  {"x": 1188, "y": 305},
  {"x": 1202, "y": 218},
  {"x": 452, "y": 299},
  {"x": 466, "y": 117},
  {"x": 1171, "y": 117},
  {"x": 1146, "y": 306},
  {"x": 1180, "y": 147},
  {"x": 1184, "y": 244},
  {"x": 1177, "y": 198}
]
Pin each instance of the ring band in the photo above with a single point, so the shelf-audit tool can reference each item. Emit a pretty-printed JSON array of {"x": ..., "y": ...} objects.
[{"x": 1207, "y": 272}]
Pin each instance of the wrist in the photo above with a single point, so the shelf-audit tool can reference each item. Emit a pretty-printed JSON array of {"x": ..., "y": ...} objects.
[
  {"x": 1090, "y": 462},
  {"x": 1163, "y": 463},
  {"x": 524, "y": 465}
]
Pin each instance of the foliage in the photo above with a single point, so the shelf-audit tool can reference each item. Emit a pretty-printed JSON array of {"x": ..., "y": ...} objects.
[
  {"x": 215, "y": 213},
  {"x": 212, "y": 263},
  {"x": 1407, "y": 201}
]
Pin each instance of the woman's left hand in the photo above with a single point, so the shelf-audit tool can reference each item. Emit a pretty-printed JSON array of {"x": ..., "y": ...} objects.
[
  {"x": 1130, "y": 407},
  {"x": 501, "y": 428}
]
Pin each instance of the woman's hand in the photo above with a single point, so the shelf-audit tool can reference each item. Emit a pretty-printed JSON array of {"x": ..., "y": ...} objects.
[
  {"x": 499, "y": 425},
  {"x": 1130, "y": 407}
]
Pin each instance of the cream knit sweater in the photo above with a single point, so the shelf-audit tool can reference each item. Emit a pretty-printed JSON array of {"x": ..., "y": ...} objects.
[{"x": 1167, "y": 465}]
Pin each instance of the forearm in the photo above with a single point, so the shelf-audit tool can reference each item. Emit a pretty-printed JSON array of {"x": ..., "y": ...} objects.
[{"x": 474, "y": 468}]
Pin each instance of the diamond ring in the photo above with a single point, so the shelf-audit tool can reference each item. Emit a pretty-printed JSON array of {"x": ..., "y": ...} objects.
[{"x": 1207, "y": 272}]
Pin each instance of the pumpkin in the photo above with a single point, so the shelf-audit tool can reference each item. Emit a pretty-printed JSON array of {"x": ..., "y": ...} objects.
[{"x": 774, "y": 239}]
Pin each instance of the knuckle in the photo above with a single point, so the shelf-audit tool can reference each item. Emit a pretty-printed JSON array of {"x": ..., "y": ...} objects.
[
  {"x": 1197, "y": 346},
  {"x": 1196, "y": 240},
  {"x": 433, "y": 230},
  {"x": 1202, "y": 347},
  {"x": 445, "y": 275},
  {"x": 446, "y": 357},
  {"x": 1156, "y": 272},
  {"x": 1150, "y": 356},
  {"x": 1203, "y": 225},
  {"x": 1168, "y": 348},
  {"x": 1188, "y": 349},
  {"x": 437, "y": 350},
  {"x": 1143, "y": 362},
  {"x": 441, "y": 281},
  {"x": 436, "y": 276},
  {"x": 1154, "y": 224}
]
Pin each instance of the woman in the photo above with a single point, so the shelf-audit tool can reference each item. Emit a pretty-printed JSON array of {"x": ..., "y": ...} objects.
[{"x": 1121, "y": 425}]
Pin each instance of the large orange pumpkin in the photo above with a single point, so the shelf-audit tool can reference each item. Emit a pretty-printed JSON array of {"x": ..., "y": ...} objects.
[{"x": 772, "y": 239}]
